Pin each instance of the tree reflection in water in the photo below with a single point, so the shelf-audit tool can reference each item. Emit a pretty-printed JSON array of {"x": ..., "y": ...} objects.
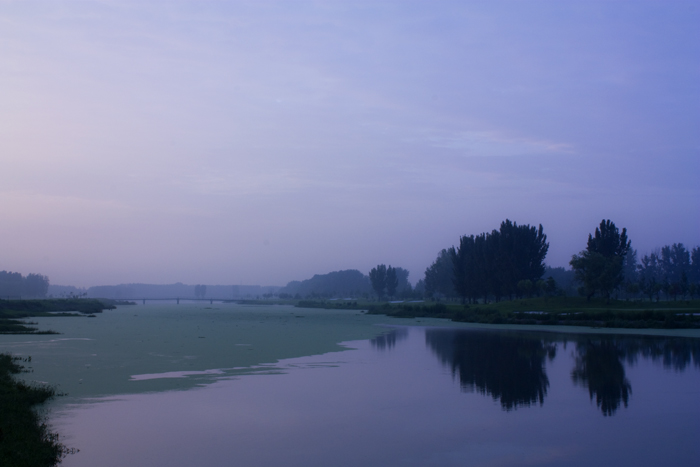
[
  {"x": 599, "y": 364},
  {"x": 674, "y": 353},
  {"x": 508, "y": 367},
  {"x": 388, "y": 340},
  {"x": 599, "y": 368}
]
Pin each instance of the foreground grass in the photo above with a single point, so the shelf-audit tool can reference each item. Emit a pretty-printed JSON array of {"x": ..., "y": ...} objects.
[
  {"x": 11, "y": 311},
  {"x": 25, "y": 440}
]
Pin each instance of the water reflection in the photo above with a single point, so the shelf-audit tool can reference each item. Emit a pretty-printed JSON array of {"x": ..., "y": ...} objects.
[
  {"x": 673, "y": 353},
  {"x": 509, "y": 368},
  {"x": 599, "y": 364},
  {"x": 599, "y": 368},
  {"x": 388, "y": 340}
]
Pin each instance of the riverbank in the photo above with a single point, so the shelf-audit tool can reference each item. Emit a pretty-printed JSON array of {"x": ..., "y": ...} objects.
[
  {"x": 25, "y": 440},
  {"x": 545, "y": 311},
  {"x": 12, "y": 311},
  {"x": 559, "y": 311}
]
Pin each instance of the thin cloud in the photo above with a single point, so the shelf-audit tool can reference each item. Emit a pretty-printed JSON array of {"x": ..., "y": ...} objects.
[{"x": 484, "y": 143}]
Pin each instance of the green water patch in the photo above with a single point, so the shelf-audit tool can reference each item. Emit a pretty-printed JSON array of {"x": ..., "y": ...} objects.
[{"x": 109, "y": 354}]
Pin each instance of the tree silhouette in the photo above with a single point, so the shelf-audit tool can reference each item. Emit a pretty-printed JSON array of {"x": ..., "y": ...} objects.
[
  {"x": 600, "y": 266},
  {"x": 649, "y": 275},
  {"x": 675, "y": 268},
  {"x": 377, "y": 277},
  {"x": 14, "y": 285},
  {"x": 392, "y": 281},
  {"x": 36, "y": 285},
  {"x": 439, "y": 276},
  {"x": 493, "y": 264}
]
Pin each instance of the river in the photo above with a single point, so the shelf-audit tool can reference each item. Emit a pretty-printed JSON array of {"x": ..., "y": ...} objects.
[{"x": 186, "y": 385}]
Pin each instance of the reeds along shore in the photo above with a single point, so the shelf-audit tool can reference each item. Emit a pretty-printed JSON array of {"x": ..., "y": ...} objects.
[{"x": 25, "y": 439}]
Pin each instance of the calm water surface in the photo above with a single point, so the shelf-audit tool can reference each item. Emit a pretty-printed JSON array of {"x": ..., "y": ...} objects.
[{"x": 415, "y": 397}]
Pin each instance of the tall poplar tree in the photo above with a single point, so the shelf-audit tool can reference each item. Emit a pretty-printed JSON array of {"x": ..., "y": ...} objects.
[
  {"x": 392, "y": 281},
  {"x": 439, "y": 275},
  {"x": 600, "y": 266},
  {"x": 492, "y": 264},
  {"x": 377, "y": 277}
]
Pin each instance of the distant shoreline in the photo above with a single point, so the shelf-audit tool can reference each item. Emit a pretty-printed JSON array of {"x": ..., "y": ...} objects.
[
  {"x": 12, "y": 311},
  {"x": 542, "y": 311}
]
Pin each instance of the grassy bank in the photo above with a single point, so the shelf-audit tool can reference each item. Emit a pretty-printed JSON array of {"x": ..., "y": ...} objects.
[
  {"x": 12, "y": 311},
  {"x": 567, "y": 311},
  {"x": 561, "y": 311},
  {"x": 25, "y": 440}
]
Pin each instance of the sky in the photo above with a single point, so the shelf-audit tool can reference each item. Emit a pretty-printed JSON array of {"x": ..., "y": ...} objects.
[{"x": 259, "y": 142}]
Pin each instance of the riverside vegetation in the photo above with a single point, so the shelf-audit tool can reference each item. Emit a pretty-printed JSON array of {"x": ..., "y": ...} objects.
[
  {"x": 25, "y": 439},
  {"x": 562, "y": 311},
  {"x": 558, "y": 310},
  {"x": 12, "y": 311},
  {"x": 497, "y": 277}
]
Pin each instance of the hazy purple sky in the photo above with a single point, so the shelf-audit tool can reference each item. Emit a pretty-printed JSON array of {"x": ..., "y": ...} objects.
[{"x": 262, "y": 142}]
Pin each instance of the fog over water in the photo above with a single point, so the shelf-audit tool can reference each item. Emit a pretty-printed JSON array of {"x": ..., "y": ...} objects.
[{"x": 263, "y": 142}]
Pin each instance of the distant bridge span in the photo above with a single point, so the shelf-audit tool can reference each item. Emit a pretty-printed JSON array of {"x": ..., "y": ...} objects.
[{"x": 176, "y": 299}]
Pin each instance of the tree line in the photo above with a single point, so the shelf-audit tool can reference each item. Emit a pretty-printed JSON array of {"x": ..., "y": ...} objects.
[
  {"x": 384, "y": 281},
  {"x": 509, "y": 262},
  {"x": 14, "y": 285},
  {"x": 609, "y": 265},
  {"x": 387, "y": 279},
  {"x": 506, "y": 262},
  {"x": 672, "y": 270}
]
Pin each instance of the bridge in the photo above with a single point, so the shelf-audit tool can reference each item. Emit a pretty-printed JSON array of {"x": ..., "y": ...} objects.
[{"x": 176, "y": 299}]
